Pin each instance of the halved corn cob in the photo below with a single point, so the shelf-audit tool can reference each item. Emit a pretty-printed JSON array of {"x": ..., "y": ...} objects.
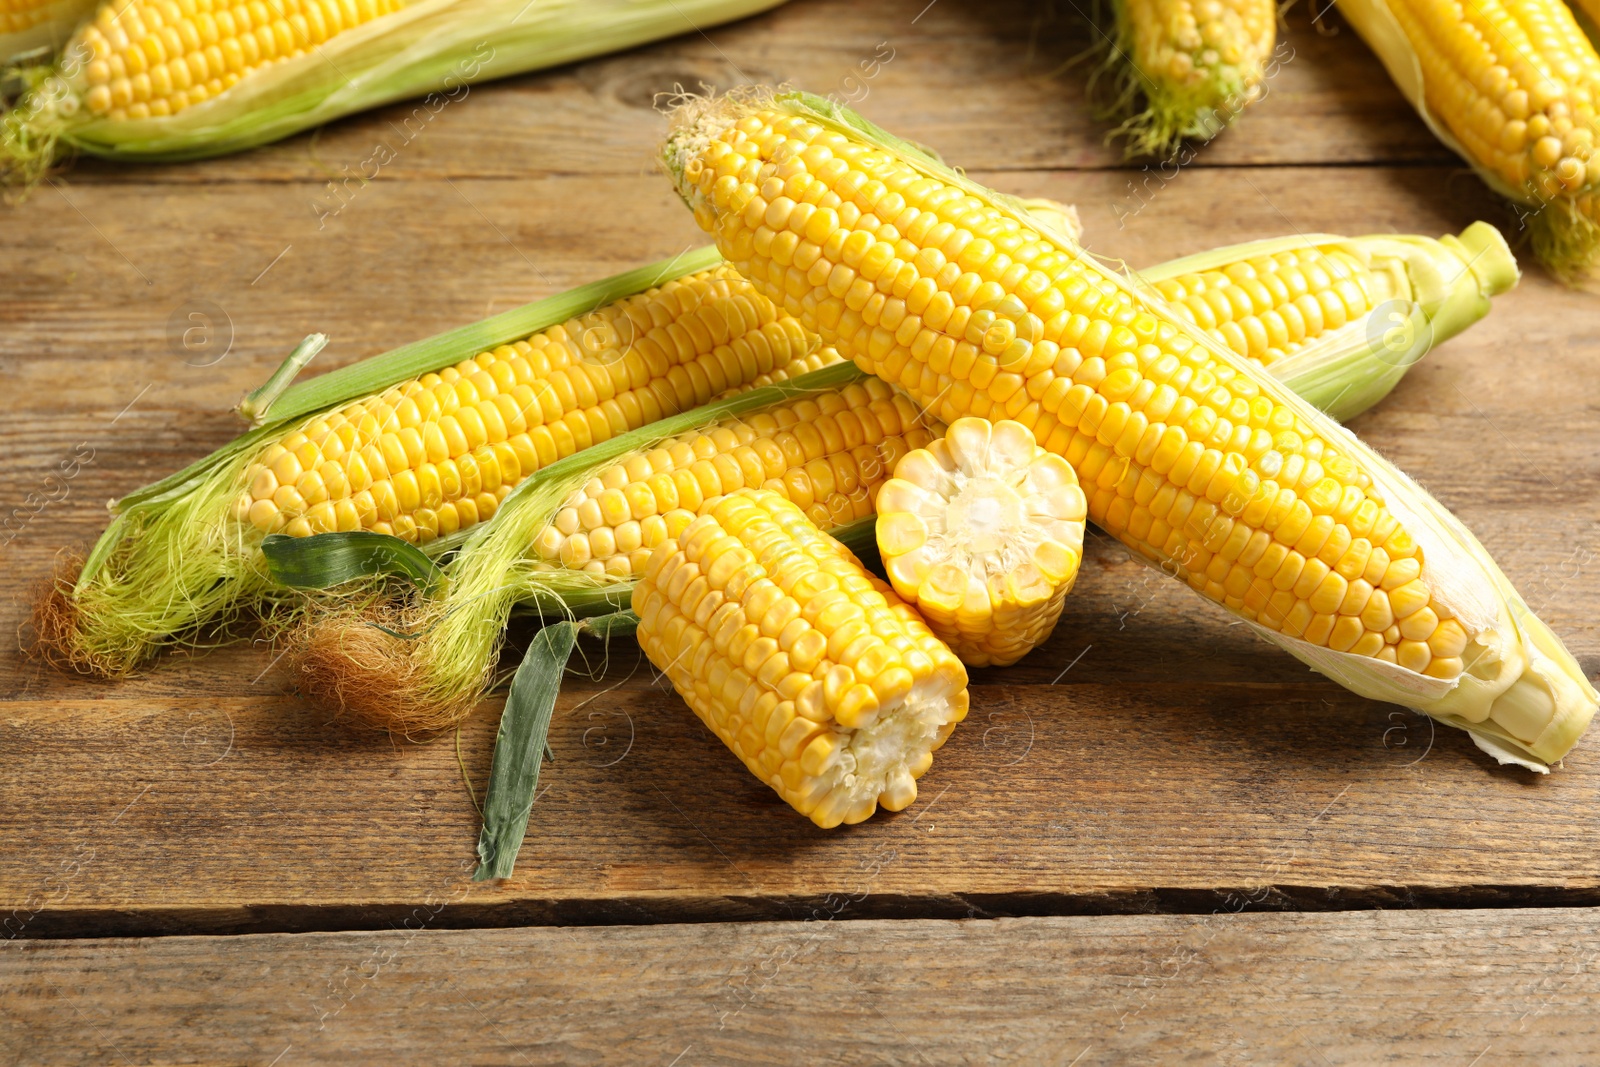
[
  {"x": 1195, "y": 64},
  {"x": 423, "y": 459},
  {"x": 827, "y": 686},
  {"x": 1195, "y": 459},
  {"x": 1512, "y": 86},
  {"x": 184, "y": 79},
  {"x": 982, "y": 532}
]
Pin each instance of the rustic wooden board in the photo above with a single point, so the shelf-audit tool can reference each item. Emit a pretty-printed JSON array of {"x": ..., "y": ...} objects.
[
  {"x": 1178, "y": 758},
  {"x": 1501, "y": 987}
]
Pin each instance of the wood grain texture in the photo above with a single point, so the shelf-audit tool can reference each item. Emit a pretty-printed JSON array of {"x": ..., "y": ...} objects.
[
  {"x": 1177, "y": 760},
  {"x": 1506, "y": 987}
]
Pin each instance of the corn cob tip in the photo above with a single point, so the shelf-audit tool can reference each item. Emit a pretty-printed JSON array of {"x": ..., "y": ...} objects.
[
  {"x": 51, "y": 633},
  {"x": 353, "y": 657}
]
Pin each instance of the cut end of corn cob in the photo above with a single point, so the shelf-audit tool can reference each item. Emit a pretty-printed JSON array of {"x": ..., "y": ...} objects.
[
  {"x": 827, "y": 686},
  {"x": 1194, "y": 458},
  {"x": 982, "y": 532},
  {"x": 1194, "y": 64}
]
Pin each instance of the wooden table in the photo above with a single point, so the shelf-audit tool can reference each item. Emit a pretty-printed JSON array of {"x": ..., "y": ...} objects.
[{"x": 1186, "y": 847}]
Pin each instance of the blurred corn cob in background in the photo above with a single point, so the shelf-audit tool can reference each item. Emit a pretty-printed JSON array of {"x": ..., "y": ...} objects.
[
  {"x": 1196, "y": 459},
  {"x": 1184, "y": 69},
  {"x": 35, "y": 27},
  {"x": 1511, "y": 86},
  {"x": 421, "y": 443},
  {"x": 163, "y": 80},
  {"x": 830, "y": 451}
]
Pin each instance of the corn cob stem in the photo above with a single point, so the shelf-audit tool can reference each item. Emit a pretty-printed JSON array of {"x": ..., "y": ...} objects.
[{"x": 1198, "y": 461}]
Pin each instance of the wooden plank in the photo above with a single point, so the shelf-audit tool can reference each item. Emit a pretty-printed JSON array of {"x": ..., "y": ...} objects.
[
  {"x": 1179, "y": 758},
  {"x": 1016, "y": 106},
  {"x": 1504, "y": 987}
]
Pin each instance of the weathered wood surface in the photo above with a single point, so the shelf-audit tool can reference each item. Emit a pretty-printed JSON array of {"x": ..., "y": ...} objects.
[
  {"x": 1466, "y": 987},
  {"x": 1178, "y": 759}
]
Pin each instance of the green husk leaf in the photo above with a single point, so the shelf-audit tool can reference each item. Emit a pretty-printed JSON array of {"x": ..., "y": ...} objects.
[
  {"x": 519, "y": 747},
  {"x": 432, "y": 48},
  {"x": 174, "y": 561},
  {"x": 327, "y": 560}
]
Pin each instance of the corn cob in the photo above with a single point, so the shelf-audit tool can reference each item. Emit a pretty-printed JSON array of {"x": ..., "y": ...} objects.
[
  {"x": 982, "y": 532},
  {"x": 811, "y": 670},
  {"x": 1195, "y": 63},
  {"x": 425, "y": 458},
  {"x": 827, "y": 453},
  {"x": 28, "y": 26},
  {"x": 130, "y": 84},
  {"x": 1339, "y": 320},
  {"x": 1197, "y": 461},
  {"x": 437, "y": 454},
  {"x": 1512, "y": 87}
]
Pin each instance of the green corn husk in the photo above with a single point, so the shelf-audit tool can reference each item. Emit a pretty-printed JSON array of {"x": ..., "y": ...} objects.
[
  {"x": 1427, "y": 291},
  {"x": 174, "y": 563},
  {"x": 431, "y": 48},
  {"x": 52, "y": 24},
  {"x": 1167, "y": 89},
  {"x": 1565, "y": 238}
]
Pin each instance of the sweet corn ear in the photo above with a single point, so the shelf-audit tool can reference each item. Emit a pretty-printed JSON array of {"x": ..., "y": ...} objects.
[
  {"x": 982, "y": 532},
  {"x": 827, "y": 686},
  {"x": 1197, "y": 460}
]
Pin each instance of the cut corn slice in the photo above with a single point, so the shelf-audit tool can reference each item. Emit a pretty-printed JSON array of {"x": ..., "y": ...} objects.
[
  {"x": 1196, "y": 460},
  {"x": 982, "y": 532},
  {"x": 827, "y": 686},
  {"x": 1512, "y": 86},
  {"x": 437, "y": 454},
  {"x": 1195, "y": 63}
]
